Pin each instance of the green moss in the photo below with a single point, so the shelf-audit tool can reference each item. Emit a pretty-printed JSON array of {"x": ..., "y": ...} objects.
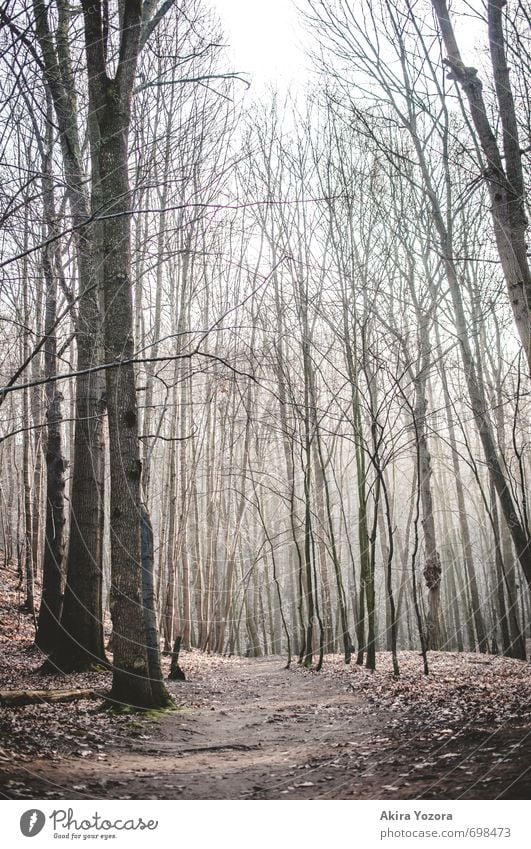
[
  {"x": 160, "y": 713},
  {"x": 99, "y": 667},
  {"x": 146, "y": 713}
]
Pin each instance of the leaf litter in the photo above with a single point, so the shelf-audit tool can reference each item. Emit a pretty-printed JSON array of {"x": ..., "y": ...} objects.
[{"x": 249, "y": 728}]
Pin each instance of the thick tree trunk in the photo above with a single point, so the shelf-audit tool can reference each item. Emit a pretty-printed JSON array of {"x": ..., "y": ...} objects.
[
  {"x": 111, "y": 100},
  {"x": 131, "y": 680},
  {"x": 82, "y": 644}
]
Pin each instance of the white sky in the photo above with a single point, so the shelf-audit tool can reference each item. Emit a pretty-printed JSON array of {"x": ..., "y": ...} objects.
[{"x": 263, "y": 37}]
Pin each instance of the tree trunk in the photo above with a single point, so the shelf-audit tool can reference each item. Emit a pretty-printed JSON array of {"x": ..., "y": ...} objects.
[
  {"x": 504, "y": 171},
  {"x": 48, "y": 631},
  {"x": 82, "y": 644},
  {"x": 159, "y": 693},
  {"x": 111, "y": 100}
]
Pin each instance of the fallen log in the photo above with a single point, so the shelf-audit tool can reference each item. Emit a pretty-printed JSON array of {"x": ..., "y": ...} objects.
[{"x": 18, "y": 698}]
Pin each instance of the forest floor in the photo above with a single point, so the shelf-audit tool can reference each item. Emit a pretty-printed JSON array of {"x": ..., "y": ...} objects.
[{"x": 252, "y": 729}]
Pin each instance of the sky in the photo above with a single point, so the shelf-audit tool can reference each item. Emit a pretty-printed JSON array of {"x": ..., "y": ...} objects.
[
  {"x": 263, "y": 35},
  {"x": 265, "y": 39}
]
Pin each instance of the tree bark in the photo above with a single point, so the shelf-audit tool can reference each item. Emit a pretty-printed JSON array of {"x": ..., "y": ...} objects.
[
  {"x": 19, "y": 698},
  {"x": 111, "y": 100},
  {"x": 48, "y": 631},
  {"x": 81, "y": 646},
  {"x": 505, "y": 182}
]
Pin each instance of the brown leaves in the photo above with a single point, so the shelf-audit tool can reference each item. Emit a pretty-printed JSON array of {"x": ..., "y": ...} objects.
[{"x": 490, "y": 690}]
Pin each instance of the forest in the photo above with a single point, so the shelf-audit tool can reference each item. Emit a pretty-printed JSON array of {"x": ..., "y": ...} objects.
[{"x": 265, "y": 372}]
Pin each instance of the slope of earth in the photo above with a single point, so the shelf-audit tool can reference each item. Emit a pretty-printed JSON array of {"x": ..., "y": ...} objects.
[{"x": 252, "y": 729}]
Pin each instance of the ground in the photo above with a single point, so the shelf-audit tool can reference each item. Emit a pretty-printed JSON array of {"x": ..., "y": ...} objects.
[{"x": 251, "y": 729}]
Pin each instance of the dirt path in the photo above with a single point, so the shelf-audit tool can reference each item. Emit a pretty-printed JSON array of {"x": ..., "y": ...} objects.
[{"x": 251, "y": 729}]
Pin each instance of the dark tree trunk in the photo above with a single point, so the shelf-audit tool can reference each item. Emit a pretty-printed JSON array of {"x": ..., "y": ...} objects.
[
  {"x": 48, "y": 631},
  {"x": 81, "y": 646},
  {"x": 176, "y": 673}
]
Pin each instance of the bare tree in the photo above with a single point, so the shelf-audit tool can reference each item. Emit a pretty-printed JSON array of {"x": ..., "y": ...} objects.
[{"x": 503, "y": 169}]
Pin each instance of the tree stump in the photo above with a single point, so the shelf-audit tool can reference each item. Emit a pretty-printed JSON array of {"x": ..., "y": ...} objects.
[{"x": 176, "y": 673}]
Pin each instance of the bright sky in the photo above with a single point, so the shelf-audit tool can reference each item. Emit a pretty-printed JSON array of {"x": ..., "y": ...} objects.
[
  {"x": 265, "y": 38},
  {"x": 263, "y": 35}
]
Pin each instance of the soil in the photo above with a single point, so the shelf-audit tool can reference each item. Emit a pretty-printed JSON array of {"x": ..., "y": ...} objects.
[{"x": 252, "y": 729}]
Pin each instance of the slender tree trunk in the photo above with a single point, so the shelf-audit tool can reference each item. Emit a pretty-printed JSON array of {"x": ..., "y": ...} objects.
[
  {"x": 504, "y": 171},
  {"x": 468, "y": 556},
  {"x": 27, "y": 477},
  {"x": 158, "y": 690},
  {"x": 48, "y": 631}
]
